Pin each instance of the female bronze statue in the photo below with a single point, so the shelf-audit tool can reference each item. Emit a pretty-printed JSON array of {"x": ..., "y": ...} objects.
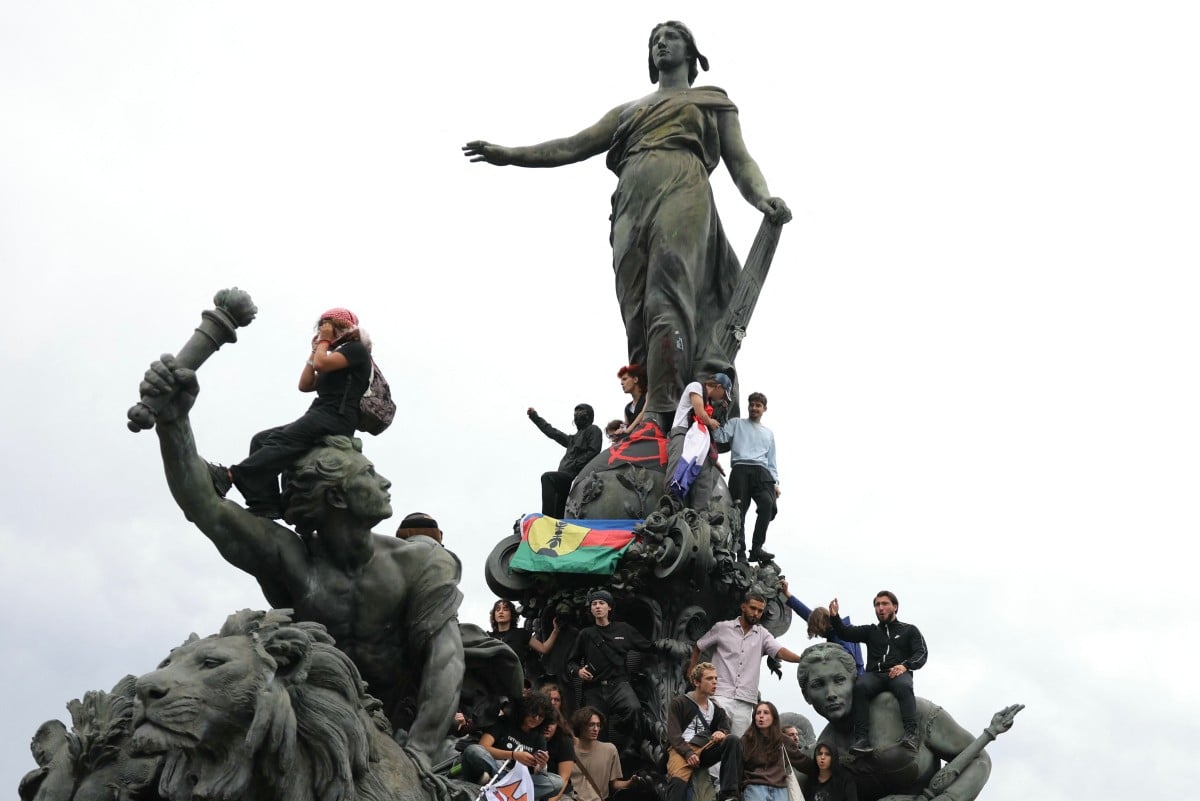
[{"x": 675, "y": 270}]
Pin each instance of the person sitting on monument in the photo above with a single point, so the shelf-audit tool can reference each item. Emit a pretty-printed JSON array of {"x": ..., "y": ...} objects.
[
  {"x": 633, "y": 384},
  {"x": 582, "y": 447},
  {"x": 690, "y": 451},
  {"x": 828, "y": 782},
  {"x": 754, "y": 475},
  {"x": 827, "y": 681},
  {"x": 519, "y": 737},
  {"x": 560, "y": 745},
  {"x": 391, "y": 604},
  {"x": 818, "y": 624},
  {"x": 894, "y": 650},
  {"x": 598, "y": 762},
  {"x": 614, "y": 431},
  {"x": 503, "y": 619},
  {"x": 768, "y": 756},
  {"x": 698, "y": 737},
  {"x": 339, "y": 371}
]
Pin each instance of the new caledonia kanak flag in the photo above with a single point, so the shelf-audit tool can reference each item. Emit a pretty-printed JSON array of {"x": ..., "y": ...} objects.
[{"x": 571, "y": 546}]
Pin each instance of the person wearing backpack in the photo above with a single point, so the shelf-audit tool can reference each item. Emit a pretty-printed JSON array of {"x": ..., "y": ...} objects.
[{"x": 339, "y": 371}]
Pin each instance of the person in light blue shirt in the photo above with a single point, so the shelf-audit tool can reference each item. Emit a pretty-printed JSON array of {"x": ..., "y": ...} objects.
[{"x": 754, "y": 475}]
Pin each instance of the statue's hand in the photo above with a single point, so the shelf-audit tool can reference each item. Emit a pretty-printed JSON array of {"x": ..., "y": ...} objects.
[
  {"x": 479, "y": 150},
  {"x": 179, "y": 383},
  {"x": 1002, "y": 721},
  {"x": 776, "y": 209},
  {"x": 672, "y": 647}
]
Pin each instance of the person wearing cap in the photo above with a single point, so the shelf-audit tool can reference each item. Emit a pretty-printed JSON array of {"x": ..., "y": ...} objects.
[
  {"x": 691, "y": 451},
  {"x": 598, "y": 660},
  {"x": 419, "y": 524},
  {"x": 338, "y": 370}
]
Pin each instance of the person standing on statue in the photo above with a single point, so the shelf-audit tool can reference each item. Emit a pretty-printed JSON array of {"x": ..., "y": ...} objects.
[
  {"x": 894, "y": 651},
  {"x": 391, "y": 604},
  {"x": 339, "y": 371},
  {"x": 582, "y": 446},
  {"x": 738, "y": 648},
  {"x": 598, "y": 659},
  {"x": 754, "y": 474},
  {"x": 675, "y": 270}
]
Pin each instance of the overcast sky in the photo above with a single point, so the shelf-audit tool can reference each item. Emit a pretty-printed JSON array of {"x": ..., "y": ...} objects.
[{"x": 978, "y": 337}]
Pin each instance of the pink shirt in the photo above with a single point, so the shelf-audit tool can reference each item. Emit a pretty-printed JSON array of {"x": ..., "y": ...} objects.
[{"x": 738, "y": 657}]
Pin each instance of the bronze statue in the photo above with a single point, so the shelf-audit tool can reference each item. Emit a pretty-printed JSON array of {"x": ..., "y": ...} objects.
[
  {"x": 390, "y": 603},
  {"x": 676, "y": 273},
  {"x": 826, "y": 674}
]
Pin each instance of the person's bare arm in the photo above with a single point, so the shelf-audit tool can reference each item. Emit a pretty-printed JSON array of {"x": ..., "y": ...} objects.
[
  {"x": 591, "y": 141},
  {"x": 746, "y": 175},
  {"x": 702, "y": 415},
  {"x": 544, "y": 647},
  {"x": 258, "y": 546}
]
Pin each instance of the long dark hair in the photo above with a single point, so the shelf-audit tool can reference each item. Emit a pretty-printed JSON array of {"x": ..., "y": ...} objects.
[
  {"x": 762, "y": 746},
  {"x": 837, "y": 778}
]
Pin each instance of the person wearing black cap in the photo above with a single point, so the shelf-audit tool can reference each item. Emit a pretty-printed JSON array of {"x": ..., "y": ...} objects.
[
  {"x": 419, "y": 524},
  {"x": 582, "y": 447},
  {"x": 598, "y": 659}
]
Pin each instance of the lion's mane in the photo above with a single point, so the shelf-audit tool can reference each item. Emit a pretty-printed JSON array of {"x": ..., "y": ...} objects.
[{"x": 316, "y": 734}]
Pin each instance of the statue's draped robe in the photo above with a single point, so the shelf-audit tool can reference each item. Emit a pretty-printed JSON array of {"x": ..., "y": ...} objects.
[{"x": 675, "y": 270}]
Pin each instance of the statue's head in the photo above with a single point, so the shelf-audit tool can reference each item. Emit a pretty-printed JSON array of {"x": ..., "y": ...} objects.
[
  {"x": 334, "y": 478},
  {"x": 826, "y": 674},
  {"x": 693, "y": 54}
]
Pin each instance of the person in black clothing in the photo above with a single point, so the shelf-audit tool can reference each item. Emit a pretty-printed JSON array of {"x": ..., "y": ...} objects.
[
  {"x": 598, "y": 659},
  {"x": 829, "y": 782},
  {"x": 339, "y": 371},
  {"x": 560, "y": 744},
  {"x": 518, "y": 737},
  {"x": 894, "y": 650},
  {"x": 582, "y": 447}
]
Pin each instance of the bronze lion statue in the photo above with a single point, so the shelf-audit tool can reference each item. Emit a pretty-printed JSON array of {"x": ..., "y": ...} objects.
[{"x": 267, "y": 709}]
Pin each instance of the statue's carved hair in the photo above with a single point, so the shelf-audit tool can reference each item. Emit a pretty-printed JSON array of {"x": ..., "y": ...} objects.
[
  {"x": 323, "y": 468},
  {"x": 694, "y": 55},
  {"x": 823, "y": 652}
]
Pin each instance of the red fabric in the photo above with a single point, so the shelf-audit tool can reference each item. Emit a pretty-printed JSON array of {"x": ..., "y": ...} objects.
[{"x": 343, "y": 316}]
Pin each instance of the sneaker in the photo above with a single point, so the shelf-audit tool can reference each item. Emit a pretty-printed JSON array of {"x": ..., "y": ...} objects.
[
  {"x": 759, "y": 555},
  {"x": 741, "y": 557},
  {"x": 861, "y": 746},
  {"x": 909, "y": 741},
  {"x": 221, "y": 481}
]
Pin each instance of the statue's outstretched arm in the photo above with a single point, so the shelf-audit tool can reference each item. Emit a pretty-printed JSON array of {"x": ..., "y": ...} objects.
[
  {"x": 442, "y": 669},
  {"x": 746, "y": 175},
  {"x": 947, "y": 740},
  {"x": 250, "y": 543},
  {"x": 591, "y": 141}
]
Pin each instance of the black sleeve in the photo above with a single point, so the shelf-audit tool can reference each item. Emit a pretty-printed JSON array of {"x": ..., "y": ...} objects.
[
  {"x": 920, "y": 653},
  {"x": 550, "y": 431},
  {"x": 848, "y": 633},
  {"x": 592, "y": 440}
]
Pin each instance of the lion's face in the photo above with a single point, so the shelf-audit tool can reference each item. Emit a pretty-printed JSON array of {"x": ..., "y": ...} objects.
[{"x": 205, "y": 692}]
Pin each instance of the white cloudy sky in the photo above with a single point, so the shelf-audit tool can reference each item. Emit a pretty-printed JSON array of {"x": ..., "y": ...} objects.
[{"x": 978, "y": 337}]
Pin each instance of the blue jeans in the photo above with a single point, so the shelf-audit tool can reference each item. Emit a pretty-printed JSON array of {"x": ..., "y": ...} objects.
[
  {"x": 476, "y": 760},
  {"x": 761, "y": 792}
]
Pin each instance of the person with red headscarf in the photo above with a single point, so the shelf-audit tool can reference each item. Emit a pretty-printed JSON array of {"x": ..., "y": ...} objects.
[{"x": 339, "y": 371}]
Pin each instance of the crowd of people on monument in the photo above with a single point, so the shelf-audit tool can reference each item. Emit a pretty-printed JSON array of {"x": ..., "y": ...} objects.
[
  {"x": 574, "y": 729},
  {"x": 699, "y": 429}
]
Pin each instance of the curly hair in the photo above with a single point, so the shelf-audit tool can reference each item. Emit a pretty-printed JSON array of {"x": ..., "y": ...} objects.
[
  {"x": 697, "y": 672},
  {"x": 323, "y": 468}
]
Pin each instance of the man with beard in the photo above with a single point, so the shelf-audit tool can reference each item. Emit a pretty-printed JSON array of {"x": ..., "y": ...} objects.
[
  {"x": 894, "y": 650},
  {"x": 738, "y": 648},
  {"x": 582, "y": 447}
]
